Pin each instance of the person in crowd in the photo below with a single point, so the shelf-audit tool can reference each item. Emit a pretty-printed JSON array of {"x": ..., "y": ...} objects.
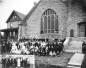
[
  {"x": 8, "y": 47},
  {"x": 50, "y": 49},
  {"x": 14, "y": 49},
  {"x": 83, "y": 65},
  {"x": 28, "y": 62},
  {"x": 36, "y": 48},
  {"x": 8, "y": 62},
  {"x": 84, "y": 47},
  {"x": 55, "y": 47},
  {"x": 3, "y": 62},
  {"x": 3, "y": 49},
  {"x": 60, "y": 47},
  {"x": 14, "y": 62},
  {"x": 47, "y": 50}
]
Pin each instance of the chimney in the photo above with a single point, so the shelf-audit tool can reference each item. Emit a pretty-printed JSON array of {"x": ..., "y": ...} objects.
[
  {"x": 63, "y": 0},
  {"x": 35, "y": 3}
]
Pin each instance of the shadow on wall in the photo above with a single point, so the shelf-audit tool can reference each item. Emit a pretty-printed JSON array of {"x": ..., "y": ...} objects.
[{"x": 80, "y": 2}]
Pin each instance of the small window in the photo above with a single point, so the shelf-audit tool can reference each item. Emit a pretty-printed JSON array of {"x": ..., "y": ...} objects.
[{"x": 71, "y": 33}]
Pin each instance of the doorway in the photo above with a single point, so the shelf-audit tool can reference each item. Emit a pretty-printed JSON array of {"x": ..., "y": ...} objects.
[
  {"x": 82, "y": 29},
  {"x": 85, "y": 30},
  {"x": 71, "y": 33}
]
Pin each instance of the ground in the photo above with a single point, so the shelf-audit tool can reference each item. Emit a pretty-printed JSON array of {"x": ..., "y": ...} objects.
[
  {"x": 56, "y": 61},
  {"x": 51, "y": 61}
]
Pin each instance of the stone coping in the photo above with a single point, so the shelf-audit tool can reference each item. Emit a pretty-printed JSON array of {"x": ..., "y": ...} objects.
[{"x": 76, "y": 59}]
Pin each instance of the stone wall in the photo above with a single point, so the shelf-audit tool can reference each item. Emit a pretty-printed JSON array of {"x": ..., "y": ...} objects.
[
  {"x": 76, "y": 15},
  {"x": 74, "y": 45},
  {"x": 33, "y": 22},
  {"x": 69, "y": 15}
]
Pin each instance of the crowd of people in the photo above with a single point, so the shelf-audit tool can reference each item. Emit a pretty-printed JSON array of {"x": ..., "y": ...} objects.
[
  {"x": 5, "y": 46},
  {"x": 40, "y": 47},
  {"x": 15, "y": 62}
]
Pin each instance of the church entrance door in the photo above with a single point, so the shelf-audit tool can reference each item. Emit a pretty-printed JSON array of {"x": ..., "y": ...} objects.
[
  {"x": 82, "y": 29},
  {"x": 85, "y": 30}
]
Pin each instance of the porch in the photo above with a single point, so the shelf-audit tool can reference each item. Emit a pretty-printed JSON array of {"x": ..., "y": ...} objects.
[{"x": 11, "y": 33}]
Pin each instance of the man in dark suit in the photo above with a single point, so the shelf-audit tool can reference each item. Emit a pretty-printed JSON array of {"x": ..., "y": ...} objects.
[
  {"x": 83, "y": 65},
  {"x": 83, "y": 47}
]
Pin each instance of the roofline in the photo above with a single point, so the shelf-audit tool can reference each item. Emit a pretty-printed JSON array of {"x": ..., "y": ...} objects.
[
  {"x": 2, "y": 30},
  {"x": 30, "y": 12},
  {"x": 11, "y": 15}
]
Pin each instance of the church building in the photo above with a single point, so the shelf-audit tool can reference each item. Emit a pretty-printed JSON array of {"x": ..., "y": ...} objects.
[{"x": 54, "y": 19}]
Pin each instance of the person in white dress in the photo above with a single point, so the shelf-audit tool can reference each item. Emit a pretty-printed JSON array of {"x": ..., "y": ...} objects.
[
  {"x": 18, "y": 62},
  {"x": 14, "y": 47},
  {"x": 24, "y": 50},
  {"x": 66, "y": 43}
]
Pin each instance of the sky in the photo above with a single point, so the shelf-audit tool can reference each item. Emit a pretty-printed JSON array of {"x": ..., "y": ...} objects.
[{"x": 7, "y": 6}]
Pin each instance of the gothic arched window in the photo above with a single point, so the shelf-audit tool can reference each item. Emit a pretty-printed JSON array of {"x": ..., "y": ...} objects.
[{"x": 49, "y": 22}]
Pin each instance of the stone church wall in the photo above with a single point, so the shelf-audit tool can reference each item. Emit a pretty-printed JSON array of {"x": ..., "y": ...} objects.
[
  {"x": 76, "y": 15},
  {"x": 69, "y": 15},
  {"x": 33, "y": 22}
]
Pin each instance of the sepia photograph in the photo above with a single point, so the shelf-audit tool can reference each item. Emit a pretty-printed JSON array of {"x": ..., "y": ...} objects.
[{"x": 42, "y": 33}]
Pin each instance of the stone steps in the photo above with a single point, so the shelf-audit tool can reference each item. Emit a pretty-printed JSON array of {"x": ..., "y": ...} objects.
[
  {"x": 74, "y": 46},
  {"x": 76, "y": 60}
]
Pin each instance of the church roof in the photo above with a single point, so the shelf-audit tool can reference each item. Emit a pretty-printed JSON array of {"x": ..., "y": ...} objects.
[
  {"x": 31, "y": 11},
  {"x": 20, "y": 15}
]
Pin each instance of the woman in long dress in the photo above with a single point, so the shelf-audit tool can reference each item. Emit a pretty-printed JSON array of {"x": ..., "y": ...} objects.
[
  {"x": 14, "y": 48},
  {"x": 66, "y": 43}
]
